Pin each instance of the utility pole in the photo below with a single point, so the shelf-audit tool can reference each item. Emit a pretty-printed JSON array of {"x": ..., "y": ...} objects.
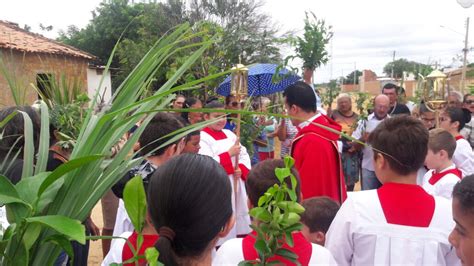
[
  {"x": 393, "y": 64},
  {"x": 355, "y": 73},
  {"x": 465, "y": 50}
]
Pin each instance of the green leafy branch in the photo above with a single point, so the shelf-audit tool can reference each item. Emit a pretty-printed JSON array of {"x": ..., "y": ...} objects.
[{"x": 277, "y": 217}]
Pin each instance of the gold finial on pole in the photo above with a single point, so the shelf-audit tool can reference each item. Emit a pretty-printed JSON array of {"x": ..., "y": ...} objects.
[{"x": 434, "y": 88}]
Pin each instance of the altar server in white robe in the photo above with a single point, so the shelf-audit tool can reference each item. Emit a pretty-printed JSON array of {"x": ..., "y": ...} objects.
[
  {"x": 453, "y": 120},
  {"x": 223, "y": 145},
  {"x": 260, "y": 179},
  {"x": 399, "y": 223},
  {"x": 443, "y": 174},
  {"x": 462, "y": 236}
]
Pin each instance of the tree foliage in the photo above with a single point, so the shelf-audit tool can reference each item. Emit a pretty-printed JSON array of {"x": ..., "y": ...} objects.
[
  {"x": 349, "y": 79},
  {"x": 403, "y": 65},
  {"x": 247, "y": 34},
  {"x": 311, "y": 48}
]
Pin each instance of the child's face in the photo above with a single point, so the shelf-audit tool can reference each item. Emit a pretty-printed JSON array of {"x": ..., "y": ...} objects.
[
  {"x": 219, "y": 124},
  {"x": 192, "y": 146},
  {"x": 433, "y": 160},
  {"x": 462, "y": 236}
]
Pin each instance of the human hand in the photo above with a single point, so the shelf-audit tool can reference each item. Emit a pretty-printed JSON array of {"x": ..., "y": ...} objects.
[
  {"x": 237, "y": 174},
  {"x": 95, "y": 231},
  {"x": 234, "y": 150}
]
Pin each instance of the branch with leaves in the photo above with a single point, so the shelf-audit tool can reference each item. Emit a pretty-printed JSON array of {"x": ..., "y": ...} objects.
[{"x": 276, "y": 218}]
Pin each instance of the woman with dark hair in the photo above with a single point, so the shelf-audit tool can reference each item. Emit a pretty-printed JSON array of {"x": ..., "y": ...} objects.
[
  {"x": 190, "y": 204},
  {"x": 453, "y": 120},
  {"x": 192, "y": 117}
]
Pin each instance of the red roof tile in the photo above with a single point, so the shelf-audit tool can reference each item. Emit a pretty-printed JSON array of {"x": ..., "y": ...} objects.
[{"x": 16, "y": 38}]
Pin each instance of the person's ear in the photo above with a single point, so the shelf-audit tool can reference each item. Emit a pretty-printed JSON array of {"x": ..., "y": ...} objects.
[
  {"x": 227, "y": 227},
  {"x": 380, "y": 161},
  {"x": 249, "y": 204},
  {"x": 171, "y": 150},
  {"x": 319, "y": 237},
  {"x": 443, "y": 154},
  {"x": 455, "y": 125}
]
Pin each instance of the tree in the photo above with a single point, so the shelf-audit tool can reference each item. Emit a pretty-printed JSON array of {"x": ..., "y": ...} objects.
[
  {"x": 311, "y": 48},
  {"x": 247, "y": 34},
  {"x": 403, "y": 65},
  {"x": 349, "y": 79}
]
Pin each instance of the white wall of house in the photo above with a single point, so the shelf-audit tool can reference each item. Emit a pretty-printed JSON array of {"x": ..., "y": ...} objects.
[{"x": 94, "y": 75}]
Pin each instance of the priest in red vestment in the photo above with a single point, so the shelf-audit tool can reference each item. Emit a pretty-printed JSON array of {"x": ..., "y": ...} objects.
[{"x": 314, "y": 148}]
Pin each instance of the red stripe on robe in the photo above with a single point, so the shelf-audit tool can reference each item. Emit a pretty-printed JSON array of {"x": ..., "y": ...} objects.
[
  {"x": 302, "y": 248},
  {"x": 245, "y": 171},
  {"x": 458, "y": 137},
  {"x": 436, "y": 177},
  {"x": 217, "y": 135},
  {"x": 148, "y": 241},
  {"x": 405, "y": 204},
  {"x": 226, "y": 162}
]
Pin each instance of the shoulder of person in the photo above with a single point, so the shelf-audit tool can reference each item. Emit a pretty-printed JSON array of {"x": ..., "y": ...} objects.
[{"x": 320, "y": 255}]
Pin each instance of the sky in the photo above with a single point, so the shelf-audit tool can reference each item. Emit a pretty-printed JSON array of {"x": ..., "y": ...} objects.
[{"x": 366, "y": 32}]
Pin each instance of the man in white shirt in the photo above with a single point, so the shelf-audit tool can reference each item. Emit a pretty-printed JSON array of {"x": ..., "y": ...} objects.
[{"x": 381, "y": 107}]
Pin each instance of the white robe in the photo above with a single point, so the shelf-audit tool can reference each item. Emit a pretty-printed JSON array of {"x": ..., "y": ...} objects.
[
  {"x": 213, "y": 148},
  {"x": 231, "y": 253},
  {"x": 444, "y": 186},
  {"x": 116, "y": 248},
  {"x": 463, "y": 157},
  {"x": 122, "y": 220},
  {"x": 361, "y": 235}
]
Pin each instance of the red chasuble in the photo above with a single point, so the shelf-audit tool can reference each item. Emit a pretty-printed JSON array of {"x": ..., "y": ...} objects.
[{"x": 318, "y": 161}]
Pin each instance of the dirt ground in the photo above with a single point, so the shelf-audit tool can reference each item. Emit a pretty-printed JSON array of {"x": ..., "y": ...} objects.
[{"x": 95, "y": 248}]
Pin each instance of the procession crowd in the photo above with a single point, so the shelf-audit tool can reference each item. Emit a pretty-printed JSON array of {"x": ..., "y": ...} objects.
[{"x": 415, "y": 207}]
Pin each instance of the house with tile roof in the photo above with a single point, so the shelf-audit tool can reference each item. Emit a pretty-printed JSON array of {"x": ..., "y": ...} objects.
[{"x": 28, "y": 59}]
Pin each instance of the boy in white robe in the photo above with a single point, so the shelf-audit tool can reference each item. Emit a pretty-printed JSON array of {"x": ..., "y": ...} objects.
[
  {"x": 152, "y": 137},
  {"x": 399, "y": 223},
  {"x": 462, "y": 236},
  {"x": 443, "y": 174},
  {"x": 223, "y": 146},
  {"x": 260, "y": 179}
]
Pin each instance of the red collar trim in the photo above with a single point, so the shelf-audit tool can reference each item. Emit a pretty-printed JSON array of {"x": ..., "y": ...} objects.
[
  {"x": 435, "y": 177},
  {"x": 301, "y": 247},
  {"x": 459, "y": 137},
  {"x": 405, "y": 204},
  {"x": 217, "y": 135}
]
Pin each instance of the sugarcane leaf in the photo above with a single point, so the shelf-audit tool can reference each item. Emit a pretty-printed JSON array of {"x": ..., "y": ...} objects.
[{"x": 66, "y": 226}]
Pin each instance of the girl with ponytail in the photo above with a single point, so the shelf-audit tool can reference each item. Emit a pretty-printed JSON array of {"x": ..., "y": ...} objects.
[
  {"x": 189, "y": 202},
  {"x": 453, "y": 120}
]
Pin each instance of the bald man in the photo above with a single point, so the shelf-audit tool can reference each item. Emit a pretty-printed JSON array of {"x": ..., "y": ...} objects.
[{"x": 364, "y": 127}]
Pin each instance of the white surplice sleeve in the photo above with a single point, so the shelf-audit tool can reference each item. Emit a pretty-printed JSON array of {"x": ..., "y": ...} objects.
[{"x": 339, "y": 238}]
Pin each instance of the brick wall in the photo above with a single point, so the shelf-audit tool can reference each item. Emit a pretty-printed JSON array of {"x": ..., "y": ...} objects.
[{"x": 23, "y": 68}]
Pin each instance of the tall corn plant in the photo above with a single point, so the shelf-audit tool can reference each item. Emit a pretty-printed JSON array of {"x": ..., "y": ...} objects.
[{"x": 72, "y": 190}]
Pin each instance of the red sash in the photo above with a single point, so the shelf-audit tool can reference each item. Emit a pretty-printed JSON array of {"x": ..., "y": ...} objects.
[
  {"x": 405, "y": 204},
  {"x": 436, "y": 177},
  {"x": 458, "y": 137},
  {"x": 302, "y": 247}
]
